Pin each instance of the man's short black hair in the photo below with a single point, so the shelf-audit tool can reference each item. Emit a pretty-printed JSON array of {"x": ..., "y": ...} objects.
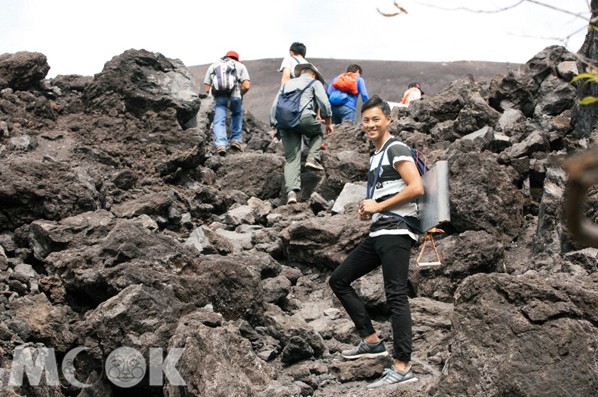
[
  {"x": 354, "y": 68},
  {"x": 376, "y": 101},
  {"x": 298, "y": 48}
]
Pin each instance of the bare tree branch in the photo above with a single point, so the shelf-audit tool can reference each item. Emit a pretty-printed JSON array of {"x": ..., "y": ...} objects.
[
  {"x": 387, "y": 14},
  {"x": 400, "y": 8},
  {"x": 593, "y": 23},
  {"x": 581, "y": 15},
  {"x": 393, "y": 14},
  {"x": 565, "y": 40},
  {"x": 577, "y": 15},
  {"x": 472, "y": 10}
]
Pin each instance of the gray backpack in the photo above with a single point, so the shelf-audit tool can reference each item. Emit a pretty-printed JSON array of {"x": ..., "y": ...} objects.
[{"x": 225, "y": 78}]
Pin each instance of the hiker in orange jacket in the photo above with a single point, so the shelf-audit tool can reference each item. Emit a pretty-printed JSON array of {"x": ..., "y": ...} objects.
[{"x": 344, "y": 91}]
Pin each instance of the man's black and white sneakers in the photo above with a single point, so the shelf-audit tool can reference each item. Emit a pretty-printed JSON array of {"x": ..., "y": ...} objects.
[
  {"x": 366, "y": 350},
  {"x": 392, "y": 376}
]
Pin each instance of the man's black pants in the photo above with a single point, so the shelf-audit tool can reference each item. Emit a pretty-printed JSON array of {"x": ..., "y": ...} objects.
[{"x": 392, "y": 252}]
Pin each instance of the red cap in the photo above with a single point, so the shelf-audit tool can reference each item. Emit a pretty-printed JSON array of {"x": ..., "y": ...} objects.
[{"x": 232, "y": 54}]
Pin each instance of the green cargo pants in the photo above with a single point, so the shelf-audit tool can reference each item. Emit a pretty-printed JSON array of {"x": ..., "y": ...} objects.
[{"x": 291, "y": 141}]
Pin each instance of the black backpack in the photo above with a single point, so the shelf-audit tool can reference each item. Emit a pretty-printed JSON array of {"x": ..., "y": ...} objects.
[{"x": 288, "y": 111}]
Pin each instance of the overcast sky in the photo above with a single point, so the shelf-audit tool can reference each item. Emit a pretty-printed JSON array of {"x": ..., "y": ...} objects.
[{"x": 79, "y": 36}]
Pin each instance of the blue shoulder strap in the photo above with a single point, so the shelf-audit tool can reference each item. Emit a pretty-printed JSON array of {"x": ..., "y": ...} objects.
[
  {"x": 298, "y": 62},
  {"x": 300, "y": 92},
  {"x": 303, "y": 90},
  {"x": 371, "y": 185}
]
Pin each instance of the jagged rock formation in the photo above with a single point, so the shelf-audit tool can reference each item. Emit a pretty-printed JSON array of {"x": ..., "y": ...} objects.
[{"x": 118, "y": 227}]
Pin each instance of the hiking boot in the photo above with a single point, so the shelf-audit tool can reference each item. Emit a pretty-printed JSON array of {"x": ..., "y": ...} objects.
[
  {"x": 393, "y": 376},
  {"x": 366, "y": 350},
  {"x": 237, "y": 146},
  {"x": 291, "y": 197},
  {"x": 221, "y": 150},
  {"x": 314, "y": 164}
]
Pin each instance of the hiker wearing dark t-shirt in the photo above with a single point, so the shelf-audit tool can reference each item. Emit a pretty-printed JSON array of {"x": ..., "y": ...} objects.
[{"x": 394, "y": 183}]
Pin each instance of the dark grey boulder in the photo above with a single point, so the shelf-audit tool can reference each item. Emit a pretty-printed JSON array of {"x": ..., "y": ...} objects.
[
  {"x": 529, "y": 335},
  {"x": 23, "y": 70},
  {"x": 140, "y": 81}
]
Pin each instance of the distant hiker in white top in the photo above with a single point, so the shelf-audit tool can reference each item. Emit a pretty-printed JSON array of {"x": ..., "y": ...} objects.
[
  {"x": 296, "y": 56},
  {"x": 413, "y": 93},
  {"x": 227, "y": 80}
]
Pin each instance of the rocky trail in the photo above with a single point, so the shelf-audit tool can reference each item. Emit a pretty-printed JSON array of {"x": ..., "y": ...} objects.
[{"x": 119, "y": 228}]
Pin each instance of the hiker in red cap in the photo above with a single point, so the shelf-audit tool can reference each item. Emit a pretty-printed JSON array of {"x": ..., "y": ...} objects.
[
  {"x": 227, "y": 80},
  {"x": 233, "y": 55}
]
